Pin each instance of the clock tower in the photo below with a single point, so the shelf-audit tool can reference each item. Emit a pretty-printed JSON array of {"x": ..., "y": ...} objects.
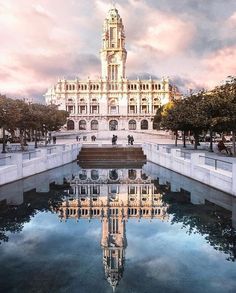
[{"x": 113, "y": 52}]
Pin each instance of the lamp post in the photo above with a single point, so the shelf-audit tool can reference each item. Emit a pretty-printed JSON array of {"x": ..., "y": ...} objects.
[{"x": 4, "y": 135}]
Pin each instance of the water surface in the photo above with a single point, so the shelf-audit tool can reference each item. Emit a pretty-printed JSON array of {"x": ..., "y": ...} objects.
[{"x": 123, "y": 230}]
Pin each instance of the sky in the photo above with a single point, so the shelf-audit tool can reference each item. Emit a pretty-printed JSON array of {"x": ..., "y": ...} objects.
[{"x": 191, "y": 41}]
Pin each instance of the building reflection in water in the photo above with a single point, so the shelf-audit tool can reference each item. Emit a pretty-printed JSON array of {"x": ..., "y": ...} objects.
[{"x": 113, "y": 196}]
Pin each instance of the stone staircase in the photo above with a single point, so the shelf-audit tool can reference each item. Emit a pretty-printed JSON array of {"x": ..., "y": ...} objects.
[{"x": 112, "y": 157}]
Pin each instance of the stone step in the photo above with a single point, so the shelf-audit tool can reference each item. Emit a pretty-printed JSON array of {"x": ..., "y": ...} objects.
[
  {"x": 111, "y": 154},
  {"x": 111, "y": 165}
]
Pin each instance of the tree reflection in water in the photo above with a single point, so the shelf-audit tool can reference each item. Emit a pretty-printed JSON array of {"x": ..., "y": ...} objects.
[
  {"x": 14, "y": 217},
  {"x": 209, "y": 220}
]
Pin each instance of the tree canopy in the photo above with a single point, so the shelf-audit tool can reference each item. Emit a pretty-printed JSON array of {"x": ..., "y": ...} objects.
[
  {"x": 205, "y": 111},
  {"x": 30, "y": 118}
]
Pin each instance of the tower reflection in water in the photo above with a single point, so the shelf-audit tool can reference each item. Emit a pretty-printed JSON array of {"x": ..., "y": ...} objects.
[{"x": 113, "y": 196}]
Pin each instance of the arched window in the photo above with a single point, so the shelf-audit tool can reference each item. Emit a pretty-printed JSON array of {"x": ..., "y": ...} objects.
[
  {"x": 144, "y": 124},
  {"x": 82, "y": 125},
  {"x": 94, "y": 125},
  {"x": 70, "y": 125},
  {"x": 83, "y": 175},
  {"x": 94, "y": 175},
  {"x": 113, "y": 175},
  {"x": 144, "y": 176},
  {"x": 132, "y": 125},
  {"x": 132, "y": 174},
  {"x": 113, "y": 125}
]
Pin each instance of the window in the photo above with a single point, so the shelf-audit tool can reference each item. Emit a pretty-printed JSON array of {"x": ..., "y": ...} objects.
[
  {"x": 113, "y": 175},
  {"x": 144, "y": 176},
  {"x": 144, "y": 124},
  {"x": 83, "y": 175},
  {"x": 94, "y": 110},
  {"x": 83, "y": 190},
  {"x": 132, "y": 174},
  {"x": 113, "y": 110},
  {"x": 94, "y": 175},
  {"x": 70, "y": 109},
  {"x": 113, "y": 125},
  {"x": 94, "y": 125},
  {"x": 70, "y": 125},
  {"x": 132, "y": 190},
  {"x": 132, "y": 125},
  {"x": 82, "y": 125},
  {"x": 112, "y": 33}
]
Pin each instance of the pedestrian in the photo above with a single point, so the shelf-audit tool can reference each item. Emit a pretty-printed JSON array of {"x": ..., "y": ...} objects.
[
  {"x": 113, "y": 139},
  {"x": 128, "y": 139},
  {"x": 54, "y": 139},
  {"x": 131, "y": 140}
]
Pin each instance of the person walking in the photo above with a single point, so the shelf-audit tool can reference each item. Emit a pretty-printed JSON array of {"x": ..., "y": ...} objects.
[
  {"x": 131, "y": 140},
  {"x": 128, "y": 139}
]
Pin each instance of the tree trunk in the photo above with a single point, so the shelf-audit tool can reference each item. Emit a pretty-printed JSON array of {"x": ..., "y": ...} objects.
[
  {"x": 195, "y": 140},
  {"x": 3, "y": 140},
  {"x": 46, "y": 139},
  {"x": 25, "y": 140},
  {"x": 176, "y": 138},
  {"x": 184, "y": 140},
  {"x": 22, "y": 139},
  {"x": 35, "y": 139},
  {"x": 211, "y": 140},
  {"x": 234, "y": 147}
]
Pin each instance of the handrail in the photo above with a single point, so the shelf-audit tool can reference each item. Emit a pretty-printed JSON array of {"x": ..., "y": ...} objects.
[
  {"x": 3, "y": 159},
  {"x": 29, "y": 153},
  {"x": 216, "y": 160},
  {"x": 186, "y": 155}
]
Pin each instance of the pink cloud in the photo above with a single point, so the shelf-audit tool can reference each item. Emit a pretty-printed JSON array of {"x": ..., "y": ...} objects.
[
  {"x": 219, "y": 65},
  {"x": 46, "y": 39}
]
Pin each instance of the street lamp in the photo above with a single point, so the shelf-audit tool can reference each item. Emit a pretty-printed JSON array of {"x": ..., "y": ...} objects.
[{"x": 4, "y": 134}]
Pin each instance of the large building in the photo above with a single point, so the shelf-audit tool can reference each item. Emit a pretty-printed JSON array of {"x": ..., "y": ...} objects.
[{"x": 112, "y": 102}]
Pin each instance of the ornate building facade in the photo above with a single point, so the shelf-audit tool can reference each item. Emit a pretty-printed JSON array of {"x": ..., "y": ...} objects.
[
  {"x": 113, "y": 196},
  {"x": 112, "y": 102}
]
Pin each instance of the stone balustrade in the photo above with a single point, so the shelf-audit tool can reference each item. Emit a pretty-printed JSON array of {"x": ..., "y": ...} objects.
[
  {"x": 18, "y": 165},
  {"x": 217, "y": 173}
]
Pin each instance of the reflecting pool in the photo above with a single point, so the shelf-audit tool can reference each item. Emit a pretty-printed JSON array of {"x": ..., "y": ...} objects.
[{"x": 125, "y": 230}]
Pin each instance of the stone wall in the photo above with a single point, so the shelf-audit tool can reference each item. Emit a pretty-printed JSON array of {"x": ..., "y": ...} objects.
[
  {"x": 15, "y": 166},
  {"x": 215, "y": 173}
]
